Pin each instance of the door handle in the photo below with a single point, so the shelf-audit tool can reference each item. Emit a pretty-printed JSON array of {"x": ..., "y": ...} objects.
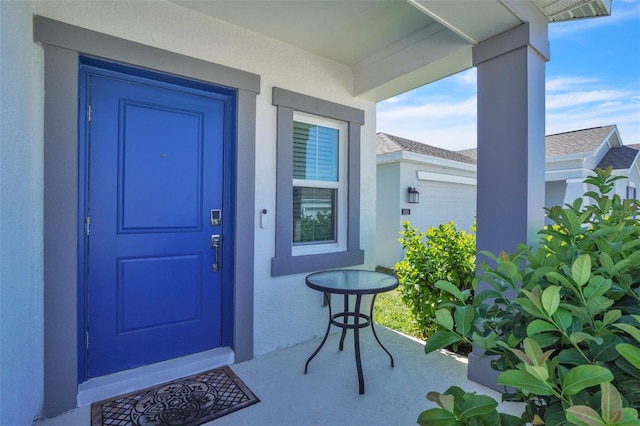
[{"x": 215, "y": 245}]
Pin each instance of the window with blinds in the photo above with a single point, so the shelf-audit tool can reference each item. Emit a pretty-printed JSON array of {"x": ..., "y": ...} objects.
[{"x": 317, "y": 184}]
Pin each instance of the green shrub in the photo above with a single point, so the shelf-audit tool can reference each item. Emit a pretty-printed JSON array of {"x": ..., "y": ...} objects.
[
  {"x": 441, "y": 253},
  {"x": 460, "y": 408},
  {"x": 569, "y": 341}
]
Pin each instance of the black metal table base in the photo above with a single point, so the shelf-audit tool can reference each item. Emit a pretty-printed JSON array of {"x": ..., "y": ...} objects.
[{"x": 355, "y": 326}]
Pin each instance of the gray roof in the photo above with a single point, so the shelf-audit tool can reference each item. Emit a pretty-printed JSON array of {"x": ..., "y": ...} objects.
[
  {"x": 620, "y": 158},
  {"x": 389, "y": 143},
  {"x": 575, "y": 142}
]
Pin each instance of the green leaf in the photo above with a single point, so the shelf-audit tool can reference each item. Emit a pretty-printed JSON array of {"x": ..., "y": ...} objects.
[
  {"x": 631, "y": 330},
  {"x": 539, "y": 326},
  {"x": 533, "y": 351},
  {"x": 611, "y": 403},
  {"x": 440, "y": 339},
  {"x": 444, "y": 318},
  {"x": 580, "y": 336},
  {"x": 538, "y": 371},
  {"x": 530, "y": 307},
  {"x": 611, "y": 316},
  {"x": 525, "y": 381},
  {"x": 582, "y": 415},
  {"x": 563, "y": 319},
  {"x": 571, "y": 356},
  {"x": 624, "y": 263},
  {"x": 546, "y": 339},
  {"x": 606, "y": 350},
  {"x": 598, "y": 286},
  {"x": 630, "y": 352},
  {"x": 557, "y": 277},
  {"x": 510, "y": 420},
  {"x": 464, "y": 316},
  {"x": 629, "y": 417},
  {"x": 551, "y": 299},
  {"x": 581, "y": 269},
  {"x": 584, "y": 376},
  {"x": 521, "y": 356},
  {"x": 596, "y": 305},
  {"x": 437, "y": 417},
  {"x": 606, "y": 262},
  {"x": 477, "y": 405},
  {"x": 451, "y": 289}
]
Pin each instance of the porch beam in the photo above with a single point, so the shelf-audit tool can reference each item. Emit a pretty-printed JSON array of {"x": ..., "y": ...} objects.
[{"x": 511, "y": 138}]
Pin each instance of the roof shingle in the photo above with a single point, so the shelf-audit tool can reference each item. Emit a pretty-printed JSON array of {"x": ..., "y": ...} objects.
[
  {"x": 389, "y": 143},
  {"x": 620, "y": 158},
  {"x": 575, "y": 142}
]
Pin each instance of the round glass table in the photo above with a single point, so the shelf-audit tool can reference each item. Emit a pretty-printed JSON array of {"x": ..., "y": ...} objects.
[{"x": 351, "y": 282}]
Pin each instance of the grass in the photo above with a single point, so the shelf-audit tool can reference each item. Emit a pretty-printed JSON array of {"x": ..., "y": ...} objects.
[{"x": 392, "y": 312}]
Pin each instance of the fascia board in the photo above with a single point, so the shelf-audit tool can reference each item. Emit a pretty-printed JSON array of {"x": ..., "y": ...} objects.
[
  {"x": 421, "y": 159},
  {"x": 436, "y": 161},
  {"x": 446, "y": 177},
  {"x": 564, "y": 174}
]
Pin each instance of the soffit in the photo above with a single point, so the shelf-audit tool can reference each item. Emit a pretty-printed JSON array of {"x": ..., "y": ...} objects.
[
  {"x": 392, "y": 45},
  {"x": 564, "y": 10},
  {"x": 344, "y": 31}
]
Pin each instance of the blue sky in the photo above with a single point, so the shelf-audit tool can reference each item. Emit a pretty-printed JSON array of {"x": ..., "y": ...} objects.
[{"x": 592, "y": 79}]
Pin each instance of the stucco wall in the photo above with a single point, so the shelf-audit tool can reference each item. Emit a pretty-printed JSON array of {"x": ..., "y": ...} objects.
[
  {"x": 388, "y": 218},
  {"x": 286, "y": 312},
  {"x": 440, "y": 202},
  {"x": 21, "y": 188}
]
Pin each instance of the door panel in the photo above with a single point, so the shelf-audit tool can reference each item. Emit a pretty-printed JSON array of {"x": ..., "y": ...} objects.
[{"x": 155, "y": 170}]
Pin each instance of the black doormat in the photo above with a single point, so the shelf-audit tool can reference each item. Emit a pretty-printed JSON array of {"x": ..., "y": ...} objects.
[{"x": 189, "y": 401}]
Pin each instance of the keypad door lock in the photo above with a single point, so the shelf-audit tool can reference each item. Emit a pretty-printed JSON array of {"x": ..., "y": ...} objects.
[
  {"x": 215, "y": 245},
  {"x": 216, "y": 217}
]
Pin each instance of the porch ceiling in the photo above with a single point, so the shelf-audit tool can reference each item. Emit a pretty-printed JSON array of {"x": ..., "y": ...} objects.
[{"x": 392, "y": 45}]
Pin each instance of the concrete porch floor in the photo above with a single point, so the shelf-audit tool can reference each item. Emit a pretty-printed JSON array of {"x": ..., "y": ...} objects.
[{"x": 328, "y": 394}]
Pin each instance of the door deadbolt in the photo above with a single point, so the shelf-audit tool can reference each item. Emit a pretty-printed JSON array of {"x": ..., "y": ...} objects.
[{"x": 215, "y": 245}]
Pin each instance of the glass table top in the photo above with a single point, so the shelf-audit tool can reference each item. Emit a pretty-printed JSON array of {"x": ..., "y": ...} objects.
[{"x": 351, "y": 281}]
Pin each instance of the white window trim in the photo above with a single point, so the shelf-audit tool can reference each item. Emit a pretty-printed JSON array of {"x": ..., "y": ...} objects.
[{"x": 341, "y": 207}]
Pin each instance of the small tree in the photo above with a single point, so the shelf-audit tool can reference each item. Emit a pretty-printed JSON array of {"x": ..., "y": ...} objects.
[{"x": 441, "y": 253}]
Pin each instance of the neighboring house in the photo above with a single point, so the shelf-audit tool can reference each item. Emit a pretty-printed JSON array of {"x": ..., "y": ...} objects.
[
  {"x": 156, "y": 158},
  {"x": 446, "y": 180}
]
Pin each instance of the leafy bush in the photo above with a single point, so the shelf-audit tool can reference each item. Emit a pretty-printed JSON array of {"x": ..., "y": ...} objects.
[
  {"x": 441, "y": 253},
  {"x": 458, "y": 408},
  {"x": 569, "y": 341}
]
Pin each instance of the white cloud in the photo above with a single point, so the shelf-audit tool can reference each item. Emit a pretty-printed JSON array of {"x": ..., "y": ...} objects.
[
  {"x": 468, "y": 78},
  {"x": 448, "y": 123},
  {"x": 439, "y": 109},
  {"x": 577, "y": 98},
  {"x": 567, "y": 83},
  {"x": 625, "y": 115}
]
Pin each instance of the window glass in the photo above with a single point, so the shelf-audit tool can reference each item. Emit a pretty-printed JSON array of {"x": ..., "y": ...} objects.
[
  {"x": 314, "y": 212},
  {"x": 319, "y": 214},
  {"x": 315, "y": 152}
]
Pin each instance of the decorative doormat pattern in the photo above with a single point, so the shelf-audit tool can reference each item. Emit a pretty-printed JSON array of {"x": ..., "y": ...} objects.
[{"x": 190, "y": 401}]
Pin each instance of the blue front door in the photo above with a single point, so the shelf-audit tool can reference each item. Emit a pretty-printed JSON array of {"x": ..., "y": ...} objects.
[{"x": 155, "y": 173}]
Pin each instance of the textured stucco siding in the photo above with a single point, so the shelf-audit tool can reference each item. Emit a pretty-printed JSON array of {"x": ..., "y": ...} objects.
[{"x": 21, "y": 191}]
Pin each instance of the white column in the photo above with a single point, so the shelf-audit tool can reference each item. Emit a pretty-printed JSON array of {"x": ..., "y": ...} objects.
[{"x": 511, "y": 137}]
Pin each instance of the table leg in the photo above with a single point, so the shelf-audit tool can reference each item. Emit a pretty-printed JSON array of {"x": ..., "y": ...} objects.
[
  {"x": 356, "y": 338},
  {"x": 345, "y": 321},
  {"x": 373, "y": 301},
  {"x": 327, "y": 298}
]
